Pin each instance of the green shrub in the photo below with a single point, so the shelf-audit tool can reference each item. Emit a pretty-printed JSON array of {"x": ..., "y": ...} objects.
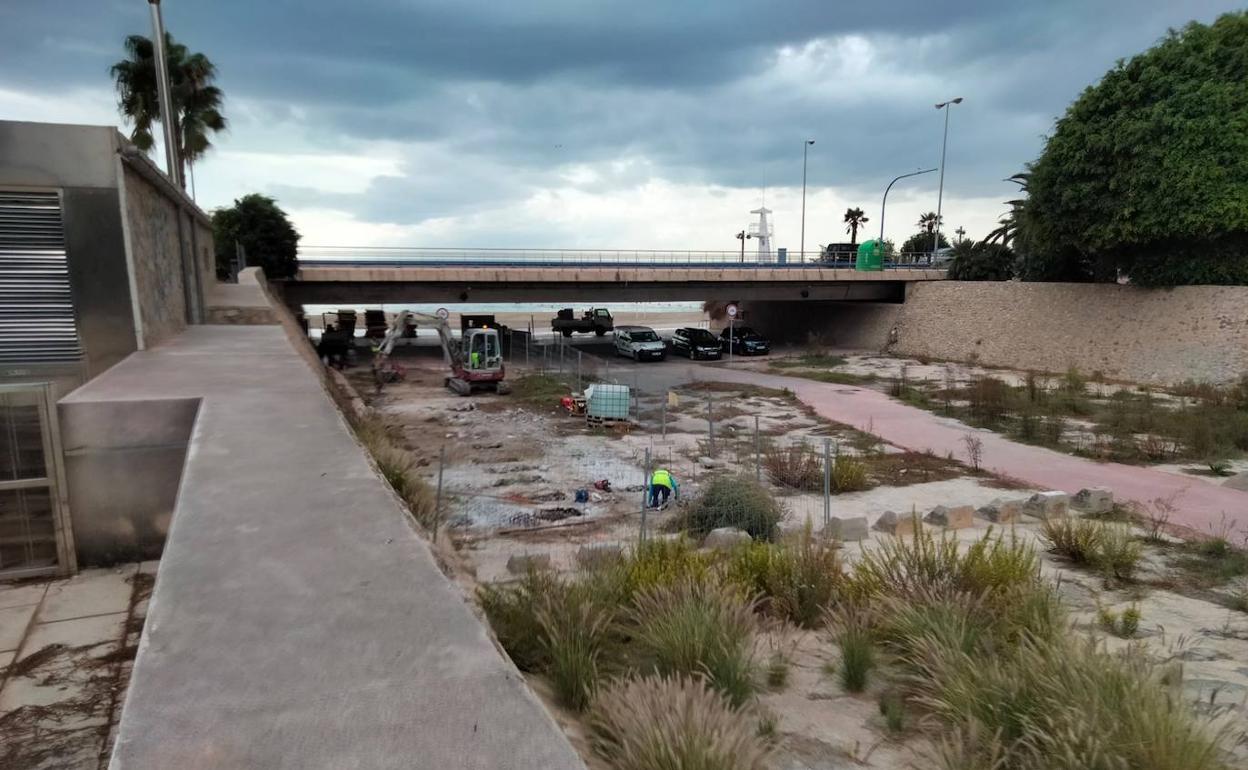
[
  {"x": 849, "y": 474},
  {"x": 796, "y": 582},
  {"x": 697, "y": 629},
  {"x": 733, "y": 501},
  {"x": 797, "y": 466},
  {"x": 989, "y": 398},
  {"x": 658, "y": 723},
  {"x": 1124, "y": 626},
  {"x": 1120, "y": 552},
  {"x": 652, "y": 563}
]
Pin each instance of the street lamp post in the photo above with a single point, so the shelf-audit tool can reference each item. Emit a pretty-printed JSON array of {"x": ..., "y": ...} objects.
[
  {"x": 805, "y": 146},
  {"x": 743, "y": 236},
  {"x": 885, "y": 202},
  {"x": 941, "y": 191},
  {"x": 165, "y": 95}
]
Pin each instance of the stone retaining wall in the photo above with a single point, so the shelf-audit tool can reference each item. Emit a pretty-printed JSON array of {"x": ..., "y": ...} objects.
[{"x": 1142, "y": 335}]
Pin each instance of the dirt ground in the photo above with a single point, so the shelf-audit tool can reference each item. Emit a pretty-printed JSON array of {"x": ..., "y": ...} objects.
[{"x": 512, "y": 476}]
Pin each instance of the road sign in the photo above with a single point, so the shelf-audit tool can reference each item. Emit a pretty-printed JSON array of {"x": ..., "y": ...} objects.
[
  {"x": 443, "y": 313},
  {"x": 732, "y": 311}
]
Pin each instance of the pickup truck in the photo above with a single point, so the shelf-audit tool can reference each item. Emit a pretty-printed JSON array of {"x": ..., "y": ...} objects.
[{"x": 597, "y": 320}]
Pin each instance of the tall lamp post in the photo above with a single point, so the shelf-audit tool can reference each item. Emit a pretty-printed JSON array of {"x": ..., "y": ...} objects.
[
  {"x": 941, "y": 192},
  {"x": 743, "y": 236},
  {"x": 885, "y": 202},
  {"x": 805, "y": 146},
  {"x": 164, "y": 95}
]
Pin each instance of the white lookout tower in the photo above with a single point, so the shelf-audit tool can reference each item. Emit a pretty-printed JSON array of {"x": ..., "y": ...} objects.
[{"x": 761, "y": 231}]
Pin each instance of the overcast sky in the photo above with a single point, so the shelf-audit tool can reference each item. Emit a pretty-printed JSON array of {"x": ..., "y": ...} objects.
[{"x": 577, "y": 124}]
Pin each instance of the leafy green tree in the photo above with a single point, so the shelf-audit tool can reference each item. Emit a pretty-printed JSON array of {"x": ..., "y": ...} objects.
[
  {"x": 854, "y": 218},
  {"x": 196, "y": 101},
  {"x": 981, "y": 261},
  {"x": 266, "y": 234},
  {"x": 921, "y": 243},
  {"x": 1146, "y": 175}
]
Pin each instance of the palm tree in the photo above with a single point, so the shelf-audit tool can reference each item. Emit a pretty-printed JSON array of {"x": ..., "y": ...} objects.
[
  {"x": 928, "y": 221},
  {"x": 854, "y": 218},
  {"x": 1007, "y": 228},
  {"x": 196, "y": 102}
]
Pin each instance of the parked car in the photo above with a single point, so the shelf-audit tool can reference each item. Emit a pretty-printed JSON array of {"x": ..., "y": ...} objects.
[
  {"x": 640, "y": 343},
  {"x": 695, "y": 343},
  {"x": 744, "y": 341}
]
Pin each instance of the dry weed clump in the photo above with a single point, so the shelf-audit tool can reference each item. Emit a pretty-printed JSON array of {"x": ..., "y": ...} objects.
[{"x": 674, "y": 723}]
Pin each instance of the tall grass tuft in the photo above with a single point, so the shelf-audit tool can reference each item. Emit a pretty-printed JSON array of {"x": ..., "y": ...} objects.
[
  {"x": 849, "y": 474},
  {"x": 573, "y": 635},
  {"x": 797, "y": 466},
  {"x": 398, "y": 468},
  {"x": 513, "y": 614},
  {"x": 853, "y": 634},
  {"x": 1062, "y": 703},
  {"x": 676, "y": 723},
  {"x": 1107, "y": 547},
  {"x": 916, "y": 565},
  {"x": 697, "y": 629}
]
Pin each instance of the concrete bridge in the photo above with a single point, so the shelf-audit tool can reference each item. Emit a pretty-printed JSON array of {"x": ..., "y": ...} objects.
[{"x": 367, "y": 276}]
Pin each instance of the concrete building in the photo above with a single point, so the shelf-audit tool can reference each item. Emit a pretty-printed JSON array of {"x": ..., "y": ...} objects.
[{"x": 100, "y": 257}]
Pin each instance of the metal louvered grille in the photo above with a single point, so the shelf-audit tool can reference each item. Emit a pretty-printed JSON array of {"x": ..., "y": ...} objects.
[{"x": 36, "y": 309}]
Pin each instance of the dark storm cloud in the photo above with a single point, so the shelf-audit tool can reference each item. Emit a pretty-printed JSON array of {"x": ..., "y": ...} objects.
[{"x": 510, "y": 92}]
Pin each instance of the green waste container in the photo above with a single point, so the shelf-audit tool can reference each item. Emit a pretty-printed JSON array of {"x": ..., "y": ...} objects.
[{"x": 870, "y": 256}]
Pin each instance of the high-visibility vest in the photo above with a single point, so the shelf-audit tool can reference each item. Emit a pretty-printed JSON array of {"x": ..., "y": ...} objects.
[{"x": 661, "y": 478}]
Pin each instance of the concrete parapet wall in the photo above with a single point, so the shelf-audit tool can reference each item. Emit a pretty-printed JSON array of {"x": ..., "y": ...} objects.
[
  {"x": 1125, "y": 332},
  {"x": 123, "y": 466}
]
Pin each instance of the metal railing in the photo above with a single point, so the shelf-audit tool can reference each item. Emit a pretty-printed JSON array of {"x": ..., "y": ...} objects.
[{"x": 376, "y": 256}]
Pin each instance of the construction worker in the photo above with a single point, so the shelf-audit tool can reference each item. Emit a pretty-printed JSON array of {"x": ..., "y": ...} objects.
[{"x": 662, "y": 484}]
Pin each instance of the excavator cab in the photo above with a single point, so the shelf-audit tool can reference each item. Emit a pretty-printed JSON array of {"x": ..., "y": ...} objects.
[
  {"x": 483, "y": 351},
  {"x": 479, "y": 366}
]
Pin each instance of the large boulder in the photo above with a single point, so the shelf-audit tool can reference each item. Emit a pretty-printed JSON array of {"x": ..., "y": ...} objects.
[
  {"x": 1001, "y": 511},
  {"x": 725, "y": 538},
  {"x": 847, "y": 529},
  {"x": 1095, "y": 500},
  {"x": 523, "y": 563},
  {"x": 1048, "y": 505},
  {"x": 957, "y": 517},
  {"x": 898, "y": 525}
]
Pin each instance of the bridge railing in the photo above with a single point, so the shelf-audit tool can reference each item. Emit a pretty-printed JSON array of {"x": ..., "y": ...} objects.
[{"x": 377, "y": 256}]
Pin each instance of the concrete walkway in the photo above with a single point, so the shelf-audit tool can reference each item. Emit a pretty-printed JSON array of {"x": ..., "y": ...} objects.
[
  {"x": 1199, "y": 506},
  {"x": 297, "y": 620}
]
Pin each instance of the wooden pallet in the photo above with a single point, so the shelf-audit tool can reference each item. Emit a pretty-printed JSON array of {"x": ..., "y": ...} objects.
[{"x": 608, "y": 421}]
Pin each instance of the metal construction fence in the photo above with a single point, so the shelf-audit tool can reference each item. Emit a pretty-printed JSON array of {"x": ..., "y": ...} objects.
[{"x": 729, "y": 437}]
